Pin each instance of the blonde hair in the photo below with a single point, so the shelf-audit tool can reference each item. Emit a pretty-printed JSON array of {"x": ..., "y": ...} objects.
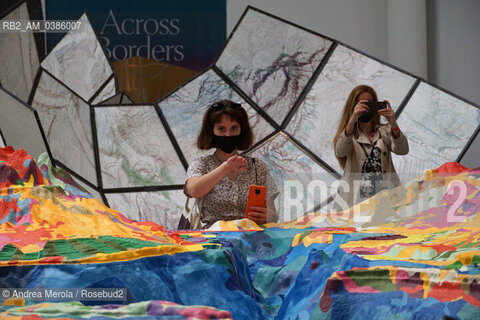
[{"x": 347, "y": 113}]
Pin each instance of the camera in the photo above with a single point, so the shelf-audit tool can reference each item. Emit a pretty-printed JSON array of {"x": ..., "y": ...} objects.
[{"x": 374, "y": 106}]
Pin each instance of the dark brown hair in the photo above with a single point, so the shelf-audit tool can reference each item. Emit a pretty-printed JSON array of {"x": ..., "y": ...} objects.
[{"x": 214, "y": 113}]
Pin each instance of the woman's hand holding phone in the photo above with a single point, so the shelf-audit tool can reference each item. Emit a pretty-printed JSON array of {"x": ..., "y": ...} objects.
[
  {"x": 258, "y": 215},
  {"x": 257, "y": 204},
  {"x": 388, "y": 114}
]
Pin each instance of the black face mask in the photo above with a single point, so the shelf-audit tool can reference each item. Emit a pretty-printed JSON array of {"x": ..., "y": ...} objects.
[
  {"x": 226, "y": 143},
  {"x": 366, "y": 116}
]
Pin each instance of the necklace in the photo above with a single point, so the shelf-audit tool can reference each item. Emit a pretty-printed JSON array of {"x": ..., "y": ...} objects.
[
  {"x": 217, "y": 158},
  {"x": 369, "y": 136}
]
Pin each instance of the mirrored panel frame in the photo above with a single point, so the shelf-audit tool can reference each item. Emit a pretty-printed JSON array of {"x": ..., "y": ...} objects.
[
  {"x": 22, "y": 127},
  {"x": 161, "y": 207},
  {"x": 19, "y": 57},
  {"x": 439, "y": 126},
  {"x": 303, "y": 184},
  {"x": 271, "y": 60},
  {"x": 66, "y": 119},
  {"x": 135, "y": 149},
  {"x": 316, "y": 121},
  {"x": 193, "y": 99},
  {"x": 79, "y": 61}
]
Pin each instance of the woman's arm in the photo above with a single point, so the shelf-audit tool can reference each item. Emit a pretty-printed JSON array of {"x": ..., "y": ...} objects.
[
  {"x": 396, "y": 139},
  {"x": 344, "y": 144},
  {"x": 343, "y": 147},
  {"x": 399, "y": 144},
  {"x": 197, "y": 187}
]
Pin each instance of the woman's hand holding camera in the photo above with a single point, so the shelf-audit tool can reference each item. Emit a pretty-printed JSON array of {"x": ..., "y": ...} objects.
[
  {"x": 360, "y": 108},
  {"x": 388, "y": 114}
]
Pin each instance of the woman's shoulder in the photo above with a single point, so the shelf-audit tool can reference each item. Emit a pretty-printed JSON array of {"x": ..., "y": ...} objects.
[
  {"x": 199, "y": 166},
  {"x": 201, "y": 160},
  {"x": 250, "y": 158},
  {"x": 256, "y": 161}
]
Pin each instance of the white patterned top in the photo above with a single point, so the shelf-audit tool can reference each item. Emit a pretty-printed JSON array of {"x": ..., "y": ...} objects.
[{"x": 228, "y": 199}]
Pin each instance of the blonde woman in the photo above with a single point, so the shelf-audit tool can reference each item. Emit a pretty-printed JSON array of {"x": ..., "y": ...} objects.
[{"x": 363, "y": 147}]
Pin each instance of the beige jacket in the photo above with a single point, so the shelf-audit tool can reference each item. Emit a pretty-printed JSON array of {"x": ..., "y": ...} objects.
[{"x": 350, "y": 147}]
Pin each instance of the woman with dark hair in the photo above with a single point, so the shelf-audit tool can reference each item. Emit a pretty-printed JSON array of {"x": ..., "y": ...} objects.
[
  {"x": 221, "y": 180},
  {"x": 363, "y": 147}
]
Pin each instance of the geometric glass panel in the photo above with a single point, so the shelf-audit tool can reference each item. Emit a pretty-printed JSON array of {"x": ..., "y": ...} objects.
[
  {"x": 438, "y": 127},
  {"x": 79, "y": 61},
  {"x": 184, "y": 110},
  {"x": 19, "y": 60},
  {"x": 67, "y": 124},
  {"x": 89, "y": 189},
  {"x": 471, "y": 156},
  {"x": 126, "y": 99},
  {"x": 118, "y": 99},
  {"x": 271, "y": 61},
  {"x": 161, "y": 207},
  {"x": 135, "y": 149},
  {"x": 19, "y": 126},
  {"x": 290, "y": 167},
  {"x": 107, "y": 92},
  {"x": 316, "y": 121},
  {"x": 115, "y": 100}
]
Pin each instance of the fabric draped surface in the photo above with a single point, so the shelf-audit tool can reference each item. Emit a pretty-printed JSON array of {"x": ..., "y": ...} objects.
[{"x": 408, "y": 252}]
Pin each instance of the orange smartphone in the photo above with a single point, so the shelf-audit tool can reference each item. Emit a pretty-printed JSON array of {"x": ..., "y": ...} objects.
[{"x": 256, "y": 197}]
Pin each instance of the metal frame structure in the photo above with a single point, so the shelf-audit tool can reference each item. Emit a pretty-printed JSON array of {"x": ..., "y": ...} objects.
[{"x": 278, "y": 129}]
